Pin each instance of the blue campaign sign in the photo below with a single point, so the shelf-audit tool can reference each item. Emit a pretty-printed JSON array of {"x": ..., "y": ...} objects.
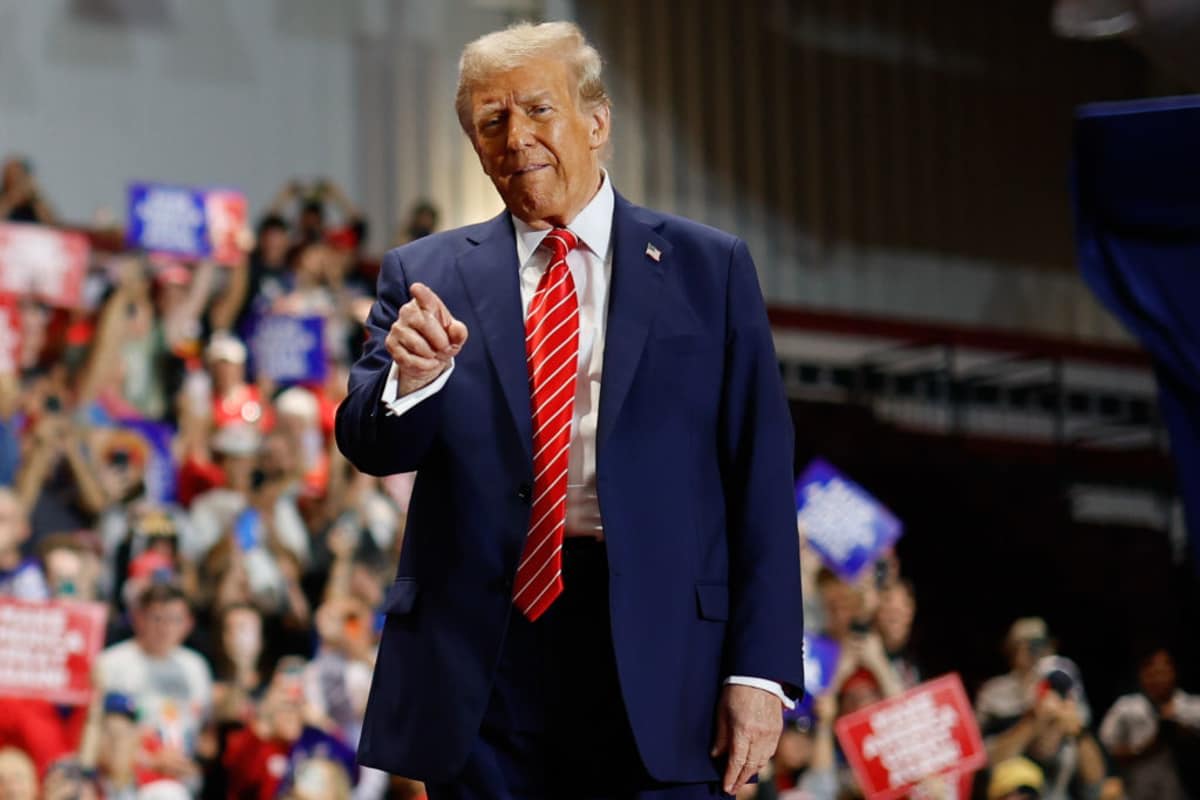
[
  {"x": 845, "y": 525},
  {"x": 820, "y": 663},
  {"x": 168, "y": 219},
  {"x": 289, "y": 349},
  {"x": 160, "y": 464}
]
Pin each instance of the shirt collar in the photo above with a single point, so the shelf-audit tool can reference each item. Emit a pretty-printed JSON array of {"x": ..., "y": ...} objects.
[{"x": 593, "y": 226}]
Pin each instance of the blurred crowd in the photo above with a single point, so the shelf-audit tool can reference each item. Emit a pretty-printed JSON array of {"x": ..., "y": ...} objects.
[
  {"x": 244, "y": 562},
  {"x": 1043, "y": 740}
]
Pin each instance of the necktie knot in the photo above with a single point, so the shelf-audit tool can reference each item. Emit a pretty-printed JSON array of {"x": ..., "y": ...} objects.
[{"x": 560, "y": 241}]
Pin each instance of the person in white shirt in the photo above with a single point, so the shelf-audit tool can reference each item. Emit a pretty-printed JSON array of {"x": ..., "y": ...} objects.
[
  {"x": 171, "y": 685},
  {"x": 1148, "y": 731}
]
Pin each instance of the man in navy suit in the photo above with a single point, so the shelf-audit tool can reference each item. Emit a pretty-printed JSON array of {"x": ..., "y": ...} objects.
[{"x": 598, "y": 597}]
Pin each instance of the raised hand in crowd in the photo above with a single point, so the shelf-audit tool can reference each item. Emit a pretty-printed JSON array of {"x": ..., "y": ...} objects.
[
  {"x": 20, "y": 198},
  {"x": 230, "y": 301},
  {"x": 55, "y": 438},
  {"x": 865, "y": 651}
]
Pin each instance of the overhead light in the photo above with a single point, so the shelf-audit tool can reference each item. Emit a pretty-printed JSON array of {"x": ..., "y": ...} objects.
[{"x": 1093, "y": 19}]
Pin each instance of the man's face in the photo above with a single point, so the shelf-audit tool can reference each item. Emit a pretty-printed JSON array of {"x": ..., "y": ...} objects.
[
  {"x": 161, "y": 627},
  {"x": 121, "y": 474},
  {"x": 278, "y": 456},
  {"x": 840, "y": 607},
  {"x": 239, "y": 471},
  {"x": 540, "y": 150},
  {"x": 274, "y": 246},
  {"x": 895, "y": 617},
  {"x": 1157, "y": 677},
  {"x": 227, "y": 374}
]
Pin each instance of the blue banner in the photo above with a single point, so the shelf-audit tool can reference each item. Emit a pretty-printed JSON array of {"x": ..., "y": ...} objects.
[
  {"x": 1137, "y": 228},
  {"x": 168, "y": 219},
  {"x": 160, "y": 467},
  {"x": 289, "y": 349},
  {"x": 821, "y": 656},
  {"x": 847, "y": 527}
]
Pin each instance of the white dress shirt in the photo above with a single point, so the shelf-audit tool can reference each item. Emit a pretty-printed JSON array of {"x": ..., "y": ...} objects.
[{"x": 591, "y": 269}]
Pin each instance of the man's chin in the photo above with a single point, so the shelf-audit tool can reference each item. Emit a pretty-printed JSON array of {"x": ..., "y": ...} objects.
[{"x": 530, "y": 206}]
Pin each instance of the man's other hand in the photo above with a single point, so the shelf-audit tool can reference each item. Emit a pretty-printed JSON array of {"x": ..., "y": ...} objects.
[
  {"x": 749, "y": 721},
  {"x": 423, "y": 339}
]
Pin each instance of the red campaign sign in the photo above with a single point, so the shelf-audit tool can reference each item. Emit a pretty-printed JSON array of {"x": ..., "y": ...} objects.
[
  {"x": 10, "y": 333},
  {"x": 47, "y": 649},
  {"x": 897, "y": 743},
  {"x": 226, "y": 213},
  {"x": 44, "y": 262}
]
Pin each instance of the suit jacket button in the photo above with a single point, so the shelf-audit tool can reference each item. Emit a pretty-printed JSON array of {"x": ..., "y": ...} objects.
[{"x": 524, "y": 492}]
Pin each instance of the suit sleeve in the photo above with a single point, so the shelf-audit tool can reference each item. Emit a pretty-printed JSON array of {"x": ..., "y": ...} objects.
[
  {"x": 766, "y": 627},
  {"x": 374, "y": 441}
]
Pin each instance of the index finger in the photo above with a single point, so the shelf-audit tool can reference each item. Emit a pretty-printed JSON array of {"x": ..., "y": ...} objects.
[
  {"x": 739, "y": 751},
  {"x": 428, "y": 300}
]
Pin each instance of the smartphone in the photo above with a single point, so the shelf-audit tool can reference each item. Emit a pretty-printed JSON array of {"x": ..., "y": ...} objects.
[{"x": 246, "y": 529}]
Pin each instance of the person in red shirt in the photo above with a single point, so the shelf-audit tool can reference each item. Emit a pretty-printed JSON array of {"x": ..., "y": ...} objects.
[
  {"x": 256, "y": 758},
  {"x": 234, "y": 399}
]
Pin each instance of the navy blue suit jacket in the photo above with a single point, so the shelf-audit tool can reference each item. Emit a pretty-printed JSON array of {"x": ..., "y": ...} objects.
[{"x": 694, "y": 477}]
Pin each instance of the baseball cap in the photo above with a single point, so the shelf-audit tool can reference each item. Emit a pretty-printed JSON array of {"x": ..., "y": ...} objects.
[
  {"x": 224, "y": 347},
  {"x": 117, "y": 703},
  {"x": 1014, "y": 775},
  {"x": 297, "y": 402},
  {"x": 1028, "y": 629},
  {"x": 152, "y": 564}
]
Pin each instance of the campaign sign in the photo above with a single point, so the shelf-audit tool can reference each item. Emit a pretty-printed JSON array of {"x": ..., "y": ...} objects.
[
  {"x": 821, "y": 655},
  {"x": 226, "y": 215},
  {"x": 43, "y": 262},
  {"x": 847, "y": 527},
  {"x": 160, "y": 466},
  {"x": 186, "y": 221},
  {"x": 928, "y": 731},
  {"x": 289, "y": 349},
  {"x": 10, "y": 334},
  {"x": 47, "y": 649}
]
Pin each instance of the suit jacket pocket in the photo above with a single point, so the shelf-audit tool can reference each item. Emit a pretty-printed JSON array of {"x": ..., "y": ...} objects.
[
  {"x": 712, "y": 601},
  {"x": 400, "y": 597}
]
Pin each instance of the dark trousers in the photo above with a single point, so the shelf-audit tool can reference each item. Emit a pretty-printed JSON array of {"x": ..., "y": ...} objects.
[{"x": 556, "y": 727}]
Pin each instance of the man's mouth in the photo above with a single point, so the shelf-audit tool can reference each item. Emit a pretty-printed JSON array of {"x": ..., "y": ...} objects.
[{"x": 528, "y": 169}]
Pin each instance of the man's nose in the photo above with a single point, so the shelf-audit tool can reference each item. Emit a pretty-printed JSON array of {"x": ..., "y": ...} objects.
[{"x": 520, "y": 132}]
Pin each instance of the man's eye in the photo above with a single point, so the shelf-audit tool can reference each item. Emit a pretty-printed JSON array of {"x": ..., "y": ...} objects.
[{"x": 542, "y": 109}]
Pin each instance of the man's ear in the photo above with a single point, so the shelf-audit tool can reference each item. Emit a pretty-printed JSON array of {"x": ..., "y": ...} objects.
[{"x": 599, "y": 118}]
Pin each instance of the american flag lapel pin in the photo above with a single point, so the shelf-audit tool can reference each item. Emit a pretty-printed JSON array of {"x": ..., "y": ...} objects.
[{"x": 653, "y": 252}]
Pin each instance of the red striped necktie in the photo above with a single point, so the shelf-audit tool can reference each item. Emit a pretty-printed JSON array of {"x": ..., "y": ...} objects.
[{"x": 552, "y": 356}]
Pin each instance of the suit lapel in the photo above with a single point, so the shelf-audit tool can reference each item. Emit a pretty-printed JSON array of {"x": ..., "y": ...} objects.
[
  {"x": 637, "y": 279},
  {"x": 491, "y": 274}
]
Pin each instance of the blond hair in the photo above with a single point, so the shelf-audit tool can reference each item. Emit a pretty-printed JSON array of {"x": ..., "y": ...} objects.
[{"x": 517, "y": 44}]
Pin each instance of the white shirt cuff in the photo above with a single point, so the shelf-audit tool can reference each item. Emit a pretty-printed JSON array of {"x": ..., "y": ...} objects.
[
  {"x": 399, "y": 405},
  {"x": 764, "y": 684}
]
